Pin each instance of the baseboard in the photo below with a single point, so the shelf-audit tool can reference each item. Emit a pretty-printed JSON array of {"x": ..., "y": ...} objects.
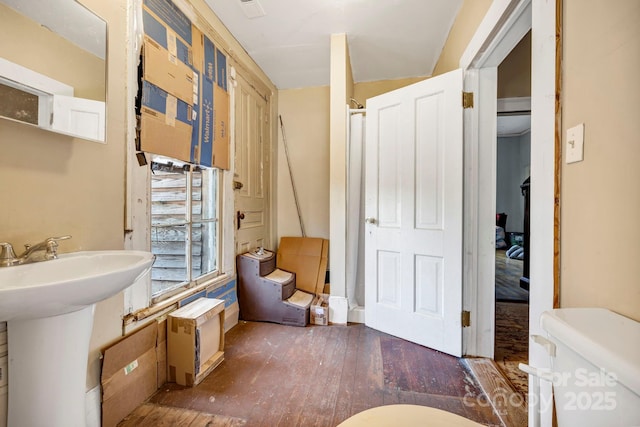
[
  {"x": 356, "y": 314},
  {"x": 338, "y": 310}
]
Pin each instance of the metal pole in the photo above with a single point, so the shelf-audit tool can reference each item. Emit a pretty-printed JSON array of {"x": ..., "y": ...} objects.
[{"x": 293, "y": 185}]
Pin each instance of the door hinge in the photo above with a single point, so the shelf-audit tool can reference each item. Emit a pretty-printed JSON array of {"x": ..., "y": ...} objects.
[
  {"x": 466, "y": 319},
  {"x": 467, "y": 99}
]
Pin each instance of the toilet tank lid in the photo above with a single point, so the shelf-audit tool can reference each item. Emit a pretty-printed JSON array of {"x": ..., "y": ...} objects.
[{"x": 604, "y": 338}]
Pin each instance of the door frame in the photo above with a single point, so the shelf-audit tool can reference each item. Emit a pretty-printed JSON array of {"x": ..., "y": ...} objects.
[
  {"x": 237, "y": 71},
  {"x": 503, "y": 26},
  {"x": 240, "y": 83}
]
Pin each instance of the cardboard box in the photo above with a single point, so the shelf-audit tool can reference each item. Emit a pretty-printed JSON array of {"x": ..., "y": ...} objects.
[
  {"x": 227, "y": 293},
  {"x": 129, "y": 374},
  {"x": 307, "y": 257},
  {"x": 3, "y": 343},
  {"x": 165, "y": 124},
  {"x": 172, "y": 62},
  {"x": 171, "y": 17},
  {"x": 206, "y": 102},
  {"x": 163, "y": 71},
  {"x": 161, "y": 350},
  {"x": 4, "y": 405},
  {"x": 195, "y": 338},
  {"x": 179, "y": 59},
  {"x": 4, "y": 365},
  {"x": 221, "y": 70},
  {"x": 221, "y": 128},
  {"x": 319, "y": 311},
  {"x": 221, "y": 114}
]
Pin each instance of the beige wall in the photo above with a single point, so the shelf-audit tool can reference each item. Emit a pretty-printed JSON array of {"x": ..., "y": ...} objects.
[
  {"x": 55, "y": 185},
  {"x": 514, "y": 73},
  {"x": 55, "y": 57},
  {"x": 364, "y": 90},
  {"x": 305, "y": 114},
  {"x": 600, "y": 197},
  {"x": 463, "y": 29}
]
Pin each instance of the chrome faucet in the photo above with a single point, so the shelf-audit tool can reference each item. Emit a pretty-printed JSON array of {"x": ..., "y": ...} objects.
[{"x": 45, "y": 250}]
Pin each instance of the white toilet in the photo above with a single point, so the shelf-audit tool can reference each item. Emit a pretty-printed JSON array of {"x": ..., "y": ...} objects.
[{"x": 595, "y": 360}]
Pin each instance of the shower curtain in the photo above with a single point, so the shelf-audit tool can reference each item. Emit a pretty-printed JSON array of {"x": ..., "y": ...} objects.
[{"x": 355, "y": 211}]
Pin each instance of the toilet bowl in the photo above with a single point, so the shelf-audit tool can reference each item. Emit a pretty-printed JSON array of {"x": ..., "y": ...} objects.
[{"x": 595, "y": 366}]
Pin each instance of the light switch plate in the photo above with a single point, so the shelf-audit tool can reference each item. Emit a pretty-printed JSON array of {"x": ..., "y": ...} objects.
[{"x": 575, "y": 144}]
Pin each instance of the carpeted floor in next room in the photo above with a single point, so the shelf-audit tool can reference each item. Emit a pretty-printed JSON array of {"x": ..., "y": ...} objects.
[
  {"x": 508, "y": 273},
  {"x": 512, "y": 321}
]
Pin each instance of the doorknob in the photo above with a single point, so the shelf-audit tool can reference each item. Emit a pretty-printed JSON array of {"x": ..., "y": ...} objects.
[
  {"x": 237, "y": 185},
  {"x": 370, "y": 220},
  {"x": 239, "y": 217}
]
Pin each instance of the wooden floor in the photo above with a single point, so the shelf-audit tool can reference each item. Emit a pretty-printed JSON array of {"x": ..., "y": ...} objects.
[
  {"x": 512, "y": 342},
  {"x": 511, "y": 322},
  {"x": 276, "y": 375},
  {"x": 508, "y": 273},
  {"x": 507, "y": 402}
]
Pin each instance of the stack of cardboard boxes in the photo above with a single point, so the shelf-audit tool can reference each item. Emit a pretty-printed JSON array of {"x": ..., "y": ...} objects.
[
  {"x": 183, "y": 346},
  {"x": 183, "y": 97}
]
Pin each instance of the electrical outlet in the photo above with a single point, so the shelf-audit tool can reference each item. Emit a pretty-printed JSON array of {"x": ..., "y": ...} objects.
[{"x": 575, "y": 144}]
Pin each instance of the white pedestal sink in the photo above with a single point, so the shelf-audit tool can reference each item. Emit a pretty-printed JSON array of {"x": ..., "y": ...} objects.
[{"x": 48, "y": 307}]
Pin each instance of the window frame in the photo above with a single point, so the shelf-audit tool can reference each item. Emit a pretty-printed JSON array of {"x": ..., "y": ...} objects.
[
  {"x": 169, "y": 165},
  {"x": 138, "y": 306}
]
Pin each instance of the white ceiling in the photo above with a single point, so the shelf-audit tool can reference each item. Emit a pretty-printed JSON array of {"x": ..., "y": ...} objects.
[{"x": 388, "y": 39}]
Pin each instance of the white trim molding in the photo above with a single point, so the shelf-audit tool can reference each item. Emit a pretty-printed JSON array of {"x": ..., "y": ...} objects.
[
  {"x": 511, "y": 105},
  {"x": 506, "y": 22}
]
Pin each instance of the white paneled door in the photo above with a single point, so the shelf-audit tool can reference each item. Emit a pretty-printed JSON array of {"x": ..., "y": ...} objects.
[
  {"x": 413, "y": 232},
  {"x": 252, "y": 168}
]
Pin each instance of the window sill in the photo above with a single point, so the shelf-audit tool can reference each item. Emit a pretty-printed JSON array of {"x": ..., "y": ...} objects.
[{"x": 170, "y": 303}]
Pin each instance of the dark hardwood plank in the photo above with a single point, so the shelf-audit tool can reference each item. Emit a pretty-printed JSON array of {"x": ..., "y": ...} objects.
[
  {"x": 151, "y": 415},
  {"x": 510, "y": 405},
  {"x": 343, "y": 407},
  {"x": 512, "y": 342},
  {"x": 275, "y": 375},
  {"x": 136, "y": 417},
  {"x": 442, "y": 374}
]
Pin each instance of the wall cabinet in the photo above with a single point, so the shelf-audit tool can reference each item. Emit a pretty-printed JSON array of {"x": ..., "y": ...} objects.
[{"x": 34, "y": 99}]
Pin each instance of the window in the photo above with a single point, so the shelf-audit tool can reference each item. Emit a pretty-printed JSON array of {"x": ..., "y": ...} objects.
[{"x": 184, "y": 225}]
